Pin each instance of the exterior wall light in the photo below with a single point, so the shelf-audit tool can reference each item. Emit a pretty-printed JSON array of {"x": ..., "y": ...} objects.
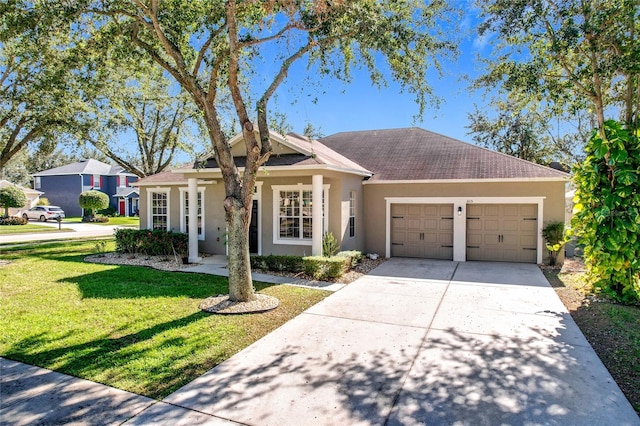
[{"x": 459, "y": 210}]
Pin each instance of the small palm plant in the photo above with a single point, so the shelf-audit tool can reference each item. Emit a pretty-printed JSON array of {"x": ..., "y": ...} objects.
[{"x": 555, "y": 238}]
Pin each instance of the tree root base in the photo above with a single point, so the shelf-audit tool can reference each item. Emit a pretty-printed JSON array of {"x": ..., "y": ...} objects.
[{"x": 222, "y": 305}]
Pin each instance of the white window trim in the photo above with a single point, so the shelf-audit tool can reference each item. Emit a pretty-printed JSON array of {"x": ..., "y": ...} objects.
[
  {"x": 183, "y": 219},
  {"x": 96, "y": 181},
  {"x": 37, "y": 182},
  {"x": 150, "y": 192},
  {"x": 353, "y": 197},
  {"x": 276, "y": 213}
]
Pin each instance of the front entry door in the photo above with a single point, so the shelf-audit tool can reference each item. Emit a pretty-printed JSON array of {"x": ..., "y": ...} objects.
[{"x": 253, "y": 229}]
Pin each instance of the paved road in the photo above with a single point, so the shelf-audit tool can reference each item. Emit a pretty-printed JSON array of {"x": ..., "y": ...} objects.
[
  {"x": 413, "y": 342},
  {"x": 76, "y": 230}
]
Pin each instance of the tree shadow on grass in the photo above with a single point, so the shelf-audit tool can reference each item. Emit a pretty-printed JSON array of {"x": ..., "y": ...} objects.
[
  {"x": 130, "y": 282},
  {"x": 91, "y": 358}
]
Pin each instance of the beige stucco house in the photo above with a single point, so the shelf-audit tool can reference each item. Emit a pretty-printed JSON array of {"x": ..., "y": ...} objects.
[{"x": 400, "y": 192}]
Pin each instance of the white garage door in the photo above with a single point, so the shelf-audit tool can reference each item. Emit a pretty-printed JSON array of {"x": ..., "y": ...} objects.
[
  {"x": 422, "y": 230},
  {"x": 502, "y": 232}
]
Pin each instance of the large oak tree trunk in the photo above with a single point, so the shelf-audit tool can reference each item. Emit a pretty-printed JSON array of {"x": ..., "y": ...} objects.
[{"x": 240, "y": 281}]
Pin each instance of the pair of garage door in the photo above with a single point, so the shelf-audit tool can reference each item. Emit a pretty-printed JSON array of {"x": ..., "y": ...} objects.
[{"x": 495, "y": 232}]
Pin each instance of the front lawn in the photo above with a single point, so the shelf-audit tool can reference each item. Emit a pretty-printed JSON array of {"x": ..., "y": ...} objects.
[
  {"x": 132, "y": 221},
  {"x": 133, "y": 328}
]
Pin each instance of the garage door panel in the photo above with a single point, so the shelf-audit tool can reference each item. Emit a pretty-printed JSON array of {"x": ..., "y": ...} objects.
[
  {"x": 511, "y": 210},
  {"x": 502, "y": 232},
  {"x": 413, "y": 222},
  {"x": 491, "y": 210},
  {"x": 511, "y": 225},
  {"x": 430, "y": 238},
  {"x": 422, "y": 230},
  {"x": 446, "y": 239},
  {"x": 529, "y": 210},
  {"x": 474, "y": 210},
  {"x": 430, "y": 224},
  {"x": 529, "y": 226},
  {"x": 528, "y": 241},
  {"x": 511, "y": 240},
  {"x": 413, "y": 209}
]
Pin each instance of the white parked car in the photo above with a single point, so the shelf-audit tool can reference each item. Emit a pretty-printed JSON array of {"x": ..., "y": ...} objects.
[{"x": 44, "y": 213}]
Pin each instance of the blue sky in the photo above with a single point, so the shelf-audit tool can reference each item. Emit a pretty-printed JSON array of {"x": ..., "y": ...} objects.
[{"x": 361, "y": 106}]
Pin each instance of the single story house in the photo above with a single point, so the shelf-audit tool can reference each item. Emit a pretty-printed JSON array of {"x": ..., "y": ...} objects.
[
  {"x": 400, "y": 192},
  {"x": 32, "y": 198},
  {"x": 63, "y": 186}
]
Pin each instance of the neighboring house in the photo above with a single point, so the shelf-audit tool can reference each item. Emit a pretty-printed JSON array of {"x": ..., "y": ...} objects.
[
  {"x": 63, "y": 185},
  {"x": 401, "y": 192},
  {"x": 32, "y": 198}
]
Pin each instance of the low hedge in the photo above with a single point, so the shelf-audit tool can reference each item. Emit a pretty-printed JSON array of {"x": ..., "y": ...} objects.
[
  {"x": 13, "y": 220},
  {"x": 272, "y": 262},
  {"x": 151, "y": 242},
  {"x": 319, "y": 267},
  {"x": 95, "y": 219},
  {"x": 354, "y": 257}
]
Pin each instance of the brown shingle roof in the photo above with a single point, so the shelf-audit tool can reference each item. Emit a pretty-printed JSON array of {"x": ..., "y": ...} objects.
[{"x": 418, "y": 154}]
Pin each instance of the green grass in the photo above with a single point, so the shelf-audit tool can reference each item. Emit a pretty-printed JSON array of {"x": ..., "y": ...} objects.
[
  {"x": 116, "y": 220},
  {"x": 133, "y": 328},
  {"x": 28, "y": 229}
]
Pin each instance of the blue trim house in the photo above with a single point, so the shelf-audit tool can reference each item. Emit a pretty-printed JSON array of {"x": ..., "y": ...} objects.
[{"x": 62, "y": 186}]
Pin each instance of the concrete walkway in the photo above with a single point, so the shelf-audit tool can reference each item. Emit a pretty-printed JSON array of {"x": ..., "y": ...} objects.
[{"x": 413, "y": 342}]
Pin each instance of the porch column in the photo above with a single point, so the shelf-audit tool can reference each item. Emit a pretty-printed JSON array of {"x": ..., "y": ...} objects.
[
  {"x": 193, "y": 220},
  {"x": 316, "y": 214}
]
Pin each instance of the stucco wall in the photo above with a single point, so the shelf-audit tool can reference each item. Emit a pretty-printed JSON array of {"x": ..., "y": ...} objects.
[{"x": 215, "y": 225}]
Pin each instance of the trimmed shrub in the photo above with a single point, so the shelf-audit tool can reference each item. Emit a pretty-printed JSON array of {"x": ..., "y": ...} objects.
[
  {"x": 109, "y": 211},
  {"x": 320, "y": 267},
  {"x": 13, "y": 220},
  {"x": 95, "y": 219},
  {"x": 12, "y": 196},
  {"x": 151, "y": 242},
  {"x": 354, "y": 257},
  {"x": 272, "y": 262},
  {"x": 93, "y": 200},
  {"x": 42, "y": 201}
]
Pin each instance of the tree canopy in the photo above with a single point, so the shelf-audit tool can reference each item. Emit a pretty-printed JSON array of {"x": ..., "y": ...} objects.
[
  {"x": 40, "y": 94},
  {"x": 569, "y": 56},
  {"x": 12, "y": 196},
  {"x": 244, "y": 50},
  {"x": 142, "y": 122}
]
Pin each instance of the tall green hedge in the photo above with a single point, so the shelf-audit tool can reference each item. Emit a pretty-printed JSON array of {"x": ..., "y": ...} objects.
[
  {"x": 607, "y": 211},
  {"x": 151, "y": 242}
]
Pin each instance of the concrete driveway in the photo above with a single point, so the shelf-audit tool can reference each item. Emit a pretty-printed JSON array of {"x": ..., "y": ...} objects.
[{"x": 415, "y": 342}]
